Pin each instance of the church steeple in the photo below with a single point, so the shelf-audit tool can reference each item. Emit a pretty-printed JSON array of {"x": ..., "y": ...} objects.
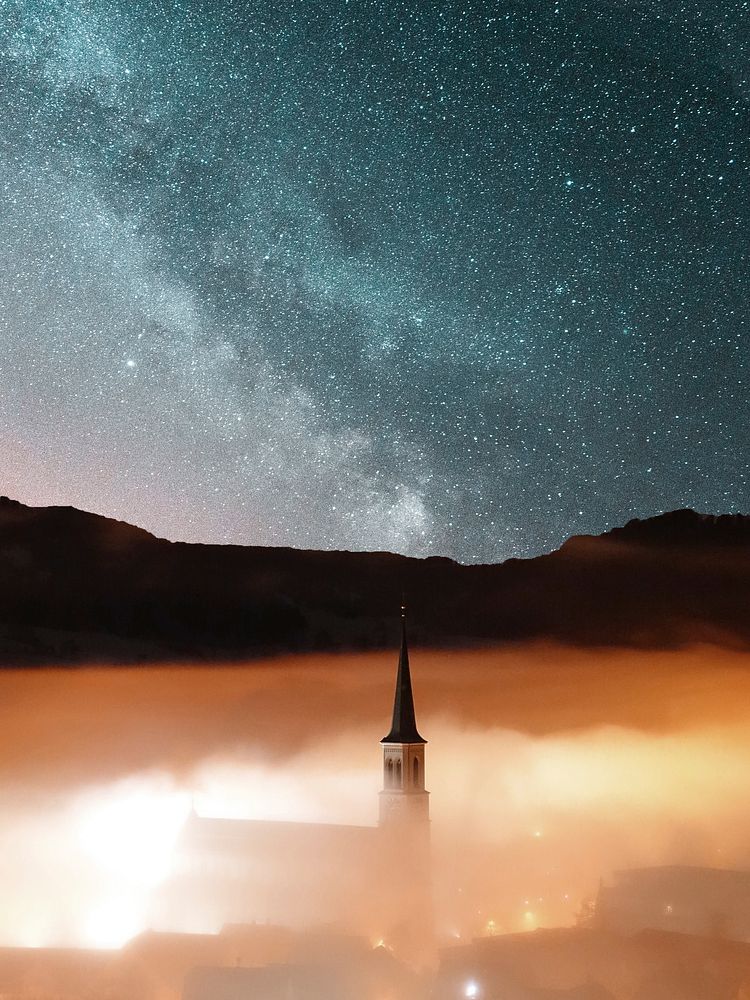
[
  {"x": 404, "y": 723},
  {"x": 404, "y": 797}
]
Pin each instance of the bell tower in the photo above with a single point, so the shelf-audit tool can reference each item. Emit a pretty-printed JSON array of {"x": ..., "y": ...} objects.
[{"x": 404, "y": 799}]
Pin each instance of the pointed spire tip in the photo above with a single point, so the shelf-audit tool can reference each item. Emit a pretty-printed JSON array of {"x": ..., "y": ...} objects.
[{"x": 404, "y": 723}]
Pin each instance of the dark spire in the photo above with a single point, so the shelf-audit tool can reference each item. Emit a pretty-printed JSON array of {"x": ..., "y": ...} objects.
[{"x": 404, "y": 725}]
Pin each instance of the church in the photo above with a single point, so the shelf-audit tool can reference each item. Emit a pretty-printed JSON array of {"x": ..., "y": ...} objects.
[{"x": 368, "y": 880}]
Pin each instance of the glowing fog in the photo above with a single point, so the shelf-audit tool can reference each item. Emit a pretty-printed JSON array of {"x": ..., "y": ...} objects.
[{"x": 554, "y": 767}]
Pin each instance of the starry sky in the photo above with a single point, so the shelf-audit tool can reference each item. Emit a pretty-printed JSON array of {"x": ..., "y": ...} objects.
[{"x": 441, "y": 278}]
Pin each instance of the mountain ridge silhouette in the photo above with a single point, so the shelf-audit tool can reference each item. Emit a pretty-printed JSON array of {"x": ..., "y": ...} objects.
[{"x": 77, "y": 587}]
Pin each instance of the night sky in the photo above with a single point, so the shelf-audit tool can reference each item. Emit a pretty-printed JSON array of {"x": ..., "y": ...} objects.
[{"x": 449, "y": 278}]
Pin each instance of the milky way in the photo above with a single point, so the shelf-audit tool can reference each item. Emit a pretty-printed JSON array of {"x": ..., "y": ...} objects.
[{"x": 459, "y": 279}]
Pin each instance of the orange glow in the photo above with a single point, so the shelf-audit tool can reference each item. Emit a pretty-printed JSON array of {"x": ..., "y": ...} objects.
[{"x": 542, "y": 777}]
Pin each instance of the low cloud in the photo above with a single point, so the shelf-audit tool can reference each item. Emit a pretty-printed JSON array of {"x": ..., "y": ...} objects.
[{"x": 548, "y": 768}]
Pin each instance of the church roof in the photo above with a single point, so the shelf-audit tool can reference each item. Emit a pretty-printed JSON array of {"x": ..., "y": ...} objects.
[
  {"x": 208, "y": 832},
  {"x": 404, "y": 724}
]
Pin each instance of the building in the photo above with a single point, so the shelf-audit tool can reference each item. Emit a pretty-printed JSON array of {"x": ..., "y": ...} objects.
[
  {"x": 367, "y": 974},
  {"x": 711, "y": 902},
  {"x": 70, "y": 974},
  {"x": 370, "y": 880},
  {"x": 237, "y": 964},
  {"x": 582, "y": 963}
]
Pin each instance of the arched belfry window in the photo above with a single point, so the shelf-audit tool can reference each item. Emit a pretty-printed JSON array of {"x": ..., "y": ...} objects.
[
  {"x": 415, "y": 772},
  {"x": 389, "y": 774},
  {"x": 398, "y": 774}
]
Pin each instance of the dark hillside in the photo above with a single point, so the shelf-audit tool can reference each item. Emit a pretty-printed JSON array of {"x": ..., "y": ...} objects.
[{"x": 75, "y": 586}]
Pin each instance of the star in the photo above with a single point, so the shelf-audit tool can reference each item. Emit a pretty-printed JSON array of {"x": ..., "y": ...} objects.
[{"x": 365, "y": 318}]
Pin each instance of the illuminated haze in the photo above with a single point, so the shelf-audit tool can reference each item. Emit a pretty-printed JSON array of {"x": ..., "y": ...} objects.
[
  {"x": 548, "y": 768},
  {"x": 436, "y": 278}
]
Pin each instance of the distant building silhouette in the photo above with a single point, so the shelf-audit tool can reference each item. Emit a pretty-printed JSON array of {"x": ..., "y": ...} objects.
[
  {"x": 691, "y": 900},
  {"x": 364, "y": 974},
  {"x": 580, "y": 963}
]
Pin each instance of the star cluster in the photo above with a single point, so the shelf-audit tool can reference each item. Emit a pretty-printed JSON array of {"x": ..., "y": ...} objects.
[{"x": 457, "y": 278}]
